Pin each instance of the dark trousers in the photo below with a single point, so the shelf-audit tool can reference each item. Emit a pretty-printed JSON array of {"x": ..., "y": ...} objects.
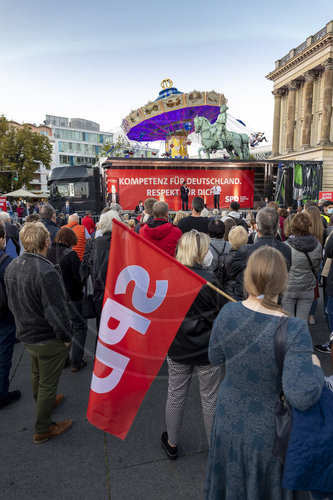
[
  {"x": 184, "y": 204},
  {"x": 47, "y": 363},
  {"x": 7, "y": 341},
  {"x": 79, "y": 332},
  {"x": 217, "y": 201}
]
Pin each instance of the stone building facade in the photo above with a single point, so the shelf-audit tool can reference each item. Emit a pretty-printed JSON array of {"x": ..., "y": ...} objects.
[{"x": 303, "y": 93}]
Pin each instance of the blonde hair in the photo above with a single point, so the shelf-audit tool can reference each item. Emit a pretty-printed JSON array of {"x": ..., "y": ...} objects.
[
  {"x": 266, "y": 276},
  {"x": 179, "y": 215},
  {"x": 192, "y": 248},
  {"x": 33, "y": 236},
  {"x": 131, "y": 223},
  {"x": 237, "y": 237}
]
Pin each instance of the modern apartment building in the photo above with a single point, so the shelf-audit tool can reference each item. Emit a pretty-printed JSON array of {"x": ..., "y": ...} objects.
[{"x": 76, "y": 140}]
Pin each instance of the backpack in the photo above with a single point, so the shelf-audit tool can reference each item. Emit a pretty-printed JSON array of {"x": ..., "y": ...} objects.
[
  {"x": 3, "y": 295},
  {"x": 219, "y": 254},
  {"x": 240, "y": 222},
  {"x": 221, "y": 272}
]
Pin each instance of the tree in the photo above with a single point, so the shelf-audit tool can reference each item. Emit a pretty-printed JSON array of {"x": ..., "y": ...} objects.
[{"x": 21, "y": 150}]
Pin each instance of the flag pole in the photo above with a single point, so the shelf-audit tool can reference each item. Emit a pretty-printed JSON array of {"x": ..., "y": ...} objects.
[{"x": 220, "y": 292}]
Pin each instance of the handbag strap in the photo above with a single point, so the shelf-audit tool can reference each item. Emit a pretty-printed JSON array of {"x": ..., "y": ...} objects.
[
  {"x": 3, "y": 257},
  {"x": 311, "y": 265},
  {"x": 216, "y": 250},
  {"x": 280, "y": 343}
]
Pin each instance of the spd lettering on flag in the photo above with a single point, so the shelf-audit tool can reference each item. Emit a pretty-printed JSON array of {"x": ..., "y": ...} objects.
[{"x": 147, "y": 296}]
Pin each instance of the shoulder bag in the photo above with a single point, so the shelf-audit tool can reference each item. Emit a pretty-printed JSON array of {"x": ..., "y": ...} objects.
[
  {"x": 283, "y": 411},
  {"x": 88, "y": 305}
]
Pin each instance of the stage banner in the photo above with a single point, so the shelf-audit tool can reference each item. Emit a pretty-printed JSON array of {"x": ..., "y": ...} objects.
[
  {"x": 136, "y": 185},
  {"x": 147, "y": 296},
  {"x": 3, "y": 204}
]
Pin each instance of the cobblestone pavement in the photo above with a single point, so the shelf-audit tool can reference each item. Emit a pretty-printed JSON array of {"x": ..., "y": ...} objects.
[{"x": 86, "y": 463}]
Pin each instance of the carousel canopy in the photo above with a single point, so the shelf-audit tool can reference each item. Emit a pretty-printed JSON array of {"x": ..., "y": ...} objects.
[{"x": 172, "y": 112}]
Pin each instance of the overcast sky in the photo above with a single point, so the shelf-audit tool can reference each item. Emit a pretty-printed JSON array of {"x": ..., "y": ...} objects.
[{"x": 100, "y": 59}]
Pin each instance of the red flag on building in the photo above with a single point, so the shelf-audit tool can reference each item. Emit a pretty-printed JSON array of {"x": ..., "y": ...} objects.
[{"x": 147, "y": 296}]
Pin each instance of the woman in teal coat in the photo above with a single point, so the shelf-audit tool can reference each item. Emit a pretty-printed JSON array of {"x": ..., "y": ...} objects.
[{"x": 241, "y": 465}]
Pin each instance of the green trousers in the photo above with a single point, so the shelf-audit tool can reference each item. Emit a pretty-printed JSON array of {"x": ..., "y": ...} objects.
[{"x": 47, "y": 363}]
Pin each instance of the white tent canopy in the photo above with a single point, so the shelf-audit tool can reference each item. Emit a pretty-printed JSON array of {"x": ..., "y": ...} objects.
[{"x": 23, "y": 193}]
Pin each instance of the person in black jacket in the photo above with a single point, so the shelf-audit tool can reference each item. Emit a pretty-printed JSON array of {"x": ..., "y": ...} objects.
[
  {"x": 48, "y": 215},
  {"x": 12, "y": 233},
  {"x": 61, "y": 253},
  {"x": 326, "y": 347},
  {"x": 7, "y": 330},
  {"x": 189, "y": 349},
  {"x": 37, "y": 299},
  {"x": 267, "y": 225},
  {"x": 184, "y": 192},
  {"x": 100, "y": 259},
  {"x": 227, "y": 270},
  {"x": 67, "y": 209}
]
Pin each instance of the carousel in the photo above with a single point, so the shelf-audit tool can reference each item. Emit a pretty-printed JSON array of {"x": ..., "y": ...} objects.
[{"x": 170, "y": 117}]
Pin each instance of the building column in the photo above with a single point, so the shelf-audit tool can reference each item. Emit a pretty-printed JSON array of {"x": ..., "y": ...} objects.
[
  {"x": 291, "y": 116},
  {"x": 276, "y": 121},
  {"x": 327, "y": 102},
  {"x": 307, "y": 108}
]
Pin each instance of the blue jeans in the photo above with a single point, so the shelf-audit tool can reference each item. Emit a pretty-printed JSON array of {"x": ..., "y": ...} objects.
[{"x": 7, "y": 341}]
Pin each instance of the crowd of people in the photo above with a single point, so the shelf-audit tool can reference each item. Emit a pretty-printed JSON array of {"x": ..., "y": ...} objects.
[{"x": 269, "y": 266}]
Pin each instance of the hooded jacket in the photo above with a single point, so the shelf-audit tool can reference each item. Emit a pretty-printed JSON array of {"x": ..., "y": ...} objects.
[
  {"x": 163, "y": 234},
  {"x": 301, "y": 277}
]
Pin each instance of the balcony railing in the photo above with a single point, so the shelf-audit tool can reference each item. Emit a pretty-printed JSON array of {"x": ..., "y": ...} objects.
[{"x": 301, "y": 48}]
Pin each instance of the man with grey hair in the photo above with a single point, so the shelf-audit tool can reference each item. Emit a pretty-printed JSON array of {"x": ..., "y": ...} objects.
[
  {"x": 116, "y": 207},
  {"x": 160, "y": 231},
  {"x": 49, "y": 220},
  {"x": 267, "y": 224},
  {"x": 37, "y": 299}
]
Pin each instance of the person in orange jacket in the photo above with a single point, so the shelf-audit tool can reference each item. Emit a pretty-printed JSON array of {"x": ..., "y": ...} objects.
[{"x": 81, "y": 233}]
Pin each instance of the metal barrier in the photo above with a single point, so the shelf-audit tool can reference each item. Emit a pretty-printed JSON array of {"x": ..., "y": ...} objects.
[{"x": 131, "y": 215}]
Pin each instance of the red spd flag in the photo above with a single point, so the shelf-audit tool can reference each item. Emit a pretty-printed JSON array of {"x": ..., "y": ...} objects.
[{"x": 147, "y": 296}]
